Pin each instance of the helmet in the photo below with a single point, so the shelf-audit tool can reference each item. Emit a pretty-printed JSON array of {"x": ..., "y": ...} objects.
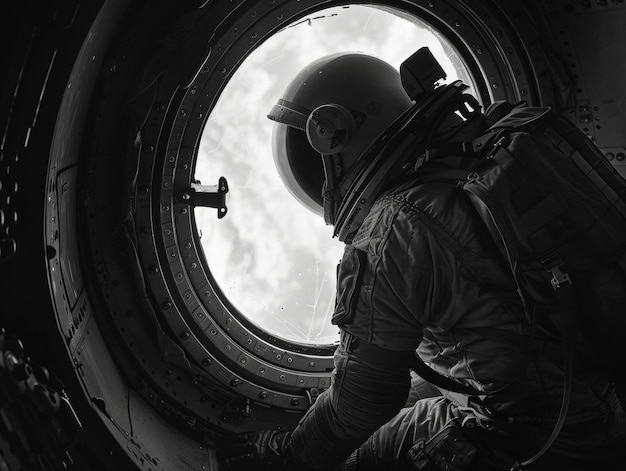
[{"x": 335, "y": 107}]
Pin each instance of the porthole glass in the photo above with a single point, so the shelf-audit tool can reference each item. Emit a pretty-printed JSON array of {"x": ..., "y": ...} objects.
[{"x": 272, "y": 258}]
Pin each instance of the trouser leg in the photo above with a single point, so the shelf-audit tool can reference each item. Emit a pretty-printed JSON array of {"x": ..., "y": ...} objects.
[
  {"x": 387, "y": 448},
  {"x": 597, "y": 442}
]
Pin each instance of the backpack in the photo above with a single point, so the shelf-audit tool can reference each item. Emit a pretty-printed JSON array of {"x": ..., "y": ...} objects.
[{"x": 556, "y": 209}]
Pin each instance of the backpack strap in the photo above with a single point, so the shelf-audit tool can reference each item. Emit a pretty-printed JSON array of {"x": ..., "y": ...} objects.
[
  {"x": 520, "y": 118},
  {"x": 443, "y": 382}
]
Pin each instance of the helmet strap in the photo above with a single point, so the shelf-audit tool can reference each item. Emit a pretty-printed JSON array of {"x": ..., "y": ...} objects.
[{"x": 330, "y": 197}]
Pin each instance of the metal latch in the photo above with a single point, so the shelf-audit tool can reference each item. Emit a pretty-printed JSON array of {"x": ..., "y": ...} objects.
[{"x": 209, "y": 196}]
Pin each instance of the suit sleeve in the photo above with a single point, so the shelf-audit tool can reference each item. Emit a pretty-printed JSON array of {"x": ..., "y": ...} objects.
[
  {"x": 367, "y": 390},
  {"x": 363, "y": 396}
]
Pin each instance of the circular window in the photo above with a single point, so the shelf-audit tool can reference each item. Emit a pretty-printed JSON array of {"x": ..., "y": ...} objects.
[{"x": 272, "y": 258}]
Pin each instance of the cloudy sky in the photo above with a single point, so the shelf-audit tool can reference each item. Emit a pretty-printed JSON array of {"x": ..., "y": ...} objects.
[{"x": 274, "y": 259}]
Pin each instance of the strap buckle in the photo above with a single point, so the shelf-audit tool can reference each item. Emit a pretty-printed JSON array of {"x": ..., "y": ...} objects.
[
  {"x": 559, "y": 278},
  {"x": 553, "y": 263}
]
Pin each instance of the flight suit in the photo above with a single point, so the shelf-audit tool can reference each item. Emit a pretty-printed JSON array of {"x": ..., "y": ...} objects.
[{"x": 423, "y": 273}]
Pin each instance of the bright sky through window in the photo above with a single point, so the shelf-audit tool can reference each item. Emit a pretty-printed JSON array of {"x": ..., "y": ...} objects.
[{"x": 274, "y": 259}]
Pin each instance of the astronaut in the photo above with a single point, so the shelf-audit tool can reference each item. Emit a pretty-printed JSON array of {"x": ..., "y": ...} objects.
[{"x": 420, "y": 273}]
